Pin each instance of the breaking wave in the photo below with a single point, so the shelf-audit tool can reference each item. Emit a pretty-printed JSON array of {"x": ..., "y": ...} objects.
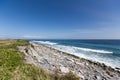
[
  {"x": 46, "y": 42},
  {"x": 86, "y": 53},
  {"x": 94, "y": 50},
  {"x": 75, "y": 48}
]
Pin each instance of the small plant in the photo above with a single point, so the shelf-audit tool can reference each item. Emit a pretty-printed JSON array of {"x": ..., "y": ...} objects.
[{"x": 67, "y": 76}]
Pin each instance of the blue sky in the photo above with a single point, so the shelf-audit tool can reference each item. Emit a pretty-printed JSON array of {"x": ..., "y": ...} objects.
[{"x": 60, "y": 19}]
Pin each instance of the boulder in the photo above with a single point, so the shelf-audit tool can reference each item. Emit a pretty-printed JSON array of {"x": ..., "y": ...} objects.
[{"x": 64, "y": 69}]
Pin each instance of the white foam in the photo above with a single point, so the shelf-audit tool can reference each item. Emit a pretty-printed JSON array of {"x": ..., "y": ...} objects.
[
  {"x": 46, "y": 42},
  {"x": 94, "y": 50},
  {"x": 78, "y": 51},
  {"x": 93, "y": 57},
  {"x": 79, "y": 48}
]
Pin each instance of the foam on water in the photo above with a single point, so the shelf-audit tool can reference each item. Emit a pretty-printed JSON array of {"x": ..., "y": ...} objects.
[
  {"x": 86, "y": 53},
  {"x": 46, "y": 42},
  {"x": 79, "y": 48},
  {"x": 94, "y": 50}
]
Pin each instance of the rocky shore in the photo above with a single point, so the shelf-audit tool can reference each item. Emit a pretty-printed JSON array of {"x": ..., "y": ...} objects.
[{"x": 51, "y": 60}]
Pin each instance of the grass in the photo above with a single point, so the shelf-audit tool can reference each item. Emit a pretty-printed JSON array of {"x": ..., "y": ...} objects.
[{"x": 12, "y": 66}]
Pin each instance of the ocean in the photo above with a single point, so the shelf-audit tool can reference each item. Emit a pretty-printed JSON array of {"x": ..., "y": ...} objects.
[{"x": 103, "y": 51}]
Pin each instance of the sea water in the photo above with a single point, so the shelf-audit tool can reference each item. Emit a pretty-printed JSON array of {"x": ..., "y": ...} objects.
[{"x": 103, "y": 51}]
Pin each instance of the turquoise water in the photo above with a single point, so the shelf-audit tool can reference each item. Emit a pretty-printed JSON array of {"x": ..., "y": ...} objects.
[{"x": 103, "y": 51}]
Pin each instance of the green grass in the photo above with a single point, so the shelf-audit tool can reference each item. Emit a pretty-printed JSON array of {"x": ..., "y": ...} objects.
[{"x": 12, "y": 66}]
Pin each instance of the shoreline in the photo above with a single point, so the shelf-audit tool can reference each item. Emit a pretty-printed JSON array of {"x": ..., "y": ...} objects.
[
  {"x": 51, "y": 59},
  {"x": 91, "y": 61},
  {"x": 94, "y": 54}
]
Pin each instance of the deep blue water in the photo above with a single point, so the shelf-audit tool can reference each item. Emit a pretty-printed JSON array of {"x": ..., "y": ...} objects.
[{"x": 104, "y": 51}]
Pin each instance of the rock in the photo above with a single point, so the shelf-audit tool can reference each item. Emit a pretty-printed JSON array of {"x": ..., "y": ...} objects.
[
  {"x": 117, "y": 68},
  {"x": 52, "y": 59},
  {"x": 64, "y": 69},
  {"x": 70, "y": 59}
]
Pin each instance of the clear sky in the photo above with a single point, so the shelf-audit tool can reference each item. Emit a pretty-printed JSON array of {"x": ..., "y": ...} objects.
[{"x": 60, "y": 19}]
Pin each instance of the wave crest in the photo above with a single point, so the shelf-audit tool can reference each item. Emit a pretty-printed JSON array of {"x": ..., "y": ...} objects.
[
  {"x": 74, "y": 48},
  {"x": 46, "y": 42},
  {"x": 94, "y": 50}
]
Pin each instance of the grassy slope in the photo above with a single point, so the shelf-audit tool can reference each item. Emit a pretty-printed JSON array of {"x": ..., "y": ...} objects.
[{"x": 12, "y": 66}]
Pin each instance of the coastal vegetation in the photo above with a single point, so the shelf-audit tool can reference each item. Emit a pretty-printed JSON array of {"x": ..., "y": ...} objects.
[{"x": 13, "y": 66}]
